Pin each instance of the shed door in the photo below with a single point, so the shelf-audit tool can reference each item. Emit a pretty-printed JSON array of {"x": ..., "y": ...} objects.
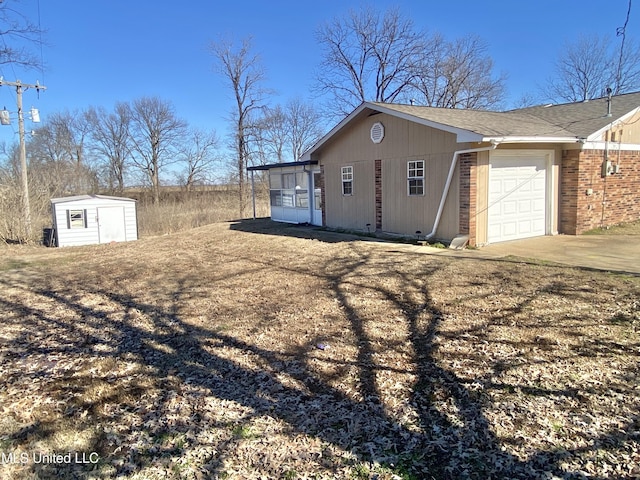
[
  {"x": 517, "y": 197},
  {"x": 111, "y": 227}
]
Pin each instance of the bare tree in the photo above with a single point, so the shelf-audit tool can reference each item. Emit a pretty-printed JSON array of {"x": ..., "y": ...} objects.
[
  {"x": 272, "y": 135},
  {"x": 582, "y": 71},
  {"x": 19, "y": 37},
  {"x": 58, "y": 155},
  {"x": 199, "y": 154},
  {"x": 305, "y": 128},
  {"x": 285, "y": 133},
  {"x": 368, "y": 56},
  {"x": 244, "y": 75},
  {"x": 627, "y": 74},
  {"x": 112, "y": 141},
  {"x": 373, "y": 56},
  {"x": 590, "y": 65},
  {"x": 156, "y": 132},
  {"x": 71, "y": 130},
  {"x": 458, "y": 74}
]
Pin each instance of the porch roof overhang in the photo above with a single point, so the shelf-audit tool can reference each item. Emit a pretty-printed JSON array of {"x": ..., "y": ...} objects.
[{"x": 281, "y": 165}]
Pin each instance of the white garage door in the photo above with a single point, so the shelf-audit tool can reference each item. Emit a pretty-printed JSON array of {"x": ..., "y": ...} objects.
[{"x": 517, "y": 197}]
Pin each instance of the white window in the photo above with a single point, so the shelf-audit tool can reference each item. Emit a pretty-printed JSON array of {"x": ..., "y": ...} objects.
[
  {"x": 275, "y": 182},
  {"x": 289, "y": 190},
  {"x": 76, "y": 218},
  {"x": 415, "y": 177},
  {"x": 347, "y": 180}
]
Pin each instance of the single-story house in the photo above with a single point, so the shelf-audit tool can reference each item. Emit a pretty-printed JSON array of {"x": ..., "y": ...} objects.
[
  {"x": 482, "y": 175},
  {"x": 92, "y": 219}
]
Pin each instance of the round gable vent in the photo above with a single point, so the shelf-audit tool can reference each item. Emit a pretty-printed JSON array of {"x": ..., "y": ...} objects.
[{"x": 377, "y": 132}]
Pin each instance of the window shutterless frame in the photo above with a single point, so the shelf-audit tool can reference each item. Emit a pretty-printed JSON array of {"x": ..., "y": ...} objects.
[
  {"x": 347, "y": 180},
  {"x": 77, "y": 218},
  {"x": 415, "y": 177}
]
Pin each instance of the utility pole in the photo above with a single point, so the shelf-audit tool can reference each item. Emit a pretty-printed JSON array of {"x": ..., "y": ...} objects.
[{"x": 23, "y": 150}]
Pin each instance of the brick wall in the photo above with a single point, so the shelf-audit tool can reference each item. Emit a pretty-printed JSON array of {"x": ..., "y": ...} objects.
[
  {"x": 378, "y": 180},
  {"x": 588, "y": 200},
  {"x": 468, "y": 163}
]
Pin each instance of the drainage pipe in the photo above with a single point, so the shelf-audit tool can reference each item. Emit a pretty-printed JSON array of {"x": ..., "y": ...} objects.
[{"x": 447, "y": 185}]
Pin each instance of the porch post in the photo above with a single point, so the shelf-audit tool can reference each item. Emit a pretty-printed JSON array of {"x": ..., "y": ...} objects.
[
  {"x": 310, "y": 195},
  {"x": 253, "y": 195}
]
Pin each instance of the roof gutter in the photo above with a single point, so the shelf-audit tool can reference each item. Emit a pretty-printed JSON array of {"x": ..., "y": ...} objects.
[
  {"x": 537, "y": 139},
  {"x": 445, "y": 192}
]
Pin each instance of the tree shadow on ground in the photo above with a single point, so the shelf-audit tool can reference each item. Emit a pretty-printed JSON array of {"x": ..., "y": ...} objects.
[
  {"x": 168, "y": 373},
  {"x": 266, "y": 226}
]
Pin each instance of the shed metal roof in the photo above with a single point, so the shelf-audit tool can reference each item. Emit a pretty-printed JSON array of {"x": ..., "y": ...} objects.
[{"x": 89, "y": 197}]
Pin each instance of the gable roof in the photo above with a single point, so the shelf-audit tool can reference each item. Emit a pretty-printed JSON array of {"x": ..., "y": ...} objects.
[{"x": 563, "y": 123}]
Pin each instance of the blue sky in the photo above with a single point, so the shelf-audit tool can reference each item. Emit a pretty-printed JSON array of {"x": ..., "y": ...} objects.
[{"x": 101, "y": 52}]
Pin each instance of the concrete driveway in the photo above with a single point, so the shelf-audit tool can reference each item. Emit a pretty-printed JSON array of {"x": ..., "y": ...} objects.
[{"x": 619, "y": 253}]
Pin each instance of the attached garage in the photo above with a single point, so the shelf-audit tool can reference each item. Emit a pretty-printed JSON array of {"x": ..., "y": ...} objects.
[{"x": 518, "y": 203}]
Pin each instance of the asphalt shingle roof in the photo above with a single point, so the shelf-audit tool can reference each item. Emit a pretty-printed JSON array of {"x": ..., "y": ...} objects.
[
  {"x": 585, "y": 118},
  {"x": 577, "y": 120}
]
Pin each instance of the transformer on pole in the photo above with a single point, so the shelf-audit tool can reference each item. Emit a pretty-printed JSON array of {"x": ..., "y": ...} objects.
[{"x": 4, "y": 120}]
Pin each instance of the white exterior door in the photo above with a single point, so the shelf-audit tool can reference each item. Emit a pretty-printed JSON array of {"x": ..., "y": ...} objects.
[
  {"x": 316, "y": 215},
  {"x": 517, "y": 197},
  {"x": 111, "y": 226}
]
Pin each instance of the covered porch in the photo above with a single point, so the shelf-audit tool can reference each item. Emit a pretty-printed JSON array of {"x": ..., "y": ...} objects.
[{"x": 295, "y": 191}]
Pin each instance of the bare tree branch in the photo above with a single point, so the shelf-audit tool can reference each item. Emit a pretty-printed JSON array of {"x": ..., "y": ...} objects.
[
  {"x": 374, "y": 56},
  {"x": 459, "y": 74},
  {"x": 198, "y": 156},
  {"x": 590, "y": 65},
  {"x": 112, "y": 141},
  {"x": 156, "y": 132},
  {"x": 244, "y": 75},
  {"x": 18, "y": 37}
]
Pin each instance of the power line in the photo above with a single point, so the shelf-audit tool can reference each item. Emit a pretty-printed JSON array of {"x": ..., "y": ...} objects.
[
  {"x": 41, "y": 44},
  {"x": 622, "y": 32},
  {"x": 23, "y": 154}
]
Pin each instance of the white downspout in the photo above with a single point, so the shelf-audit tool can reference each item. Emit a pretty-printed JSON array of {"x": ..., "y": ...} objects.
[{"x": 447, "y": 185}]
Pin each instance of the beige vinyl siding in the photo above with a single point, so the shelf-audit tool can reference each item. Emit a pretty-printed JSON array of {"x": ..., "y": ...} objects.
[
  {"x": 624, "y": 132},
  {"x": 482, "y": 198},
  {"x": 403, "y": 141},
  {"x": 353, "y": 211},
  {"x": 406, "y": 214}
]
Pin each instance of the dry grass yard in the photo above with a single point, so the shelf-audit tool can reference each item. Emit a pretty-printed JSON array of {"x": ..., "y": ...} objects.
[{"x": 256, "y": 351}]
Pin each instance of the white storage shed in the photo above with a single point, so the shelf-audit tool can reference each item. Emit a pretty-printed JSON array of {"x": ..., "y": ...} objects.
[{"x": 91, "y": 219}]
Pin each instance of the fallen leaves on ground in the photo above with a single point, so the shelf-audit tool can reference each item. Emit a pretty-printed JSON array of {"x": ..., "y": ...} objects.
[{"x": 196, "y": 356}]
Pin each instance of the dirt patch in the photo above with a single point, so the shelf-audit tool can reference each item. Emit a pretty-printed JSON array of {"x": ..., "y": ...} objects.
[{"x": 255, "y": 350}]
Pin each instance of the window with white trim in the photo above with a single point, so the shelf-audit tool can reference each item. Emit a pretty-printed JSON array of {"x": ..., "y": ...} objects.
[
  {"x": 415, "y": 177},
  {"x": 347, "y": 180},
  {"x": 289, "y": 189}
]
